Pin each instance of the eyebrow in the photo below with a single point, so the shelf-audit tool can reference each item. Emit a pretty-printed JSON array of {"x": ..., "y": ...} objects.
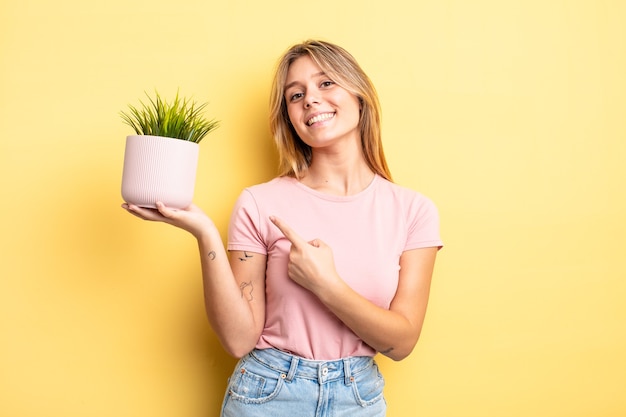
[{"x": 291, "y": 84}]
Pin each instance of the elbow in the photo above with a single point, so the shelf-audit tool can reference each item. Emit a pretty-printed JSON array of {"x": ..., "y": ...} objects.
[
  {"x": 402, "y": 351},
  {"x": 239, "y": 346},
  {"x": 237, "y": 354},
  {"x": 237, "y": 343},
  {"x": 398, "y": 355},
  {"x": 238, "y": 350}
]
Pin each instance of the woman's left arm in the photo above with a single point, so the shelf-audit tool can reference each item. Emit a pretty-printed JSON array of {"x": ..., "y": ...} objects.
[{"x": 393, "y": 332}]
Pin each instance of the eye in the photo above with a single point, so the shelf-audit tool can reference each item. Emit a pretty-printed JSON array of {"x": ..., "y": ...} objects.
[
  {"x": 327, "y": 83},
  {"x": 295, "y": 96}
]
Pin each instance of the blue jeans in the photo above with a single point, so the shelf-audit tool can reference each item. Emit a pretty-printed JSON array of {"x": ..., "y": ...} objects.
[{"x": 272, "y": 383}]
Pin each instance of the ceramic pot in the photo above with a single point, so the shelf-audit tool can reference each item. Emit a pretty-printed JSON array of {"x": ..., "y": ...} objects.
[{"x": 159, "y": 169}]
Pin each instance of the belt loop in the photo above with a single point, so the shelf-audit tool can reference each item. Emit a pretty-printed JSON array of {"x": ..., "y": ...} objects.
[
  {"x": 347, "y": 373},
  {"x": 292, "y": 368}
]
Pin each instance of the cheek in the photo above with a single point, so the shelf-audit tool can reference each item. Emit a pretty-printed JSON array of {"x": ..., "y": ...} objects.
[
  {"x": 355, "y": 114},
  {"x": 294, "y": 125},
  {"x": 295, "y": 116},
  {"x": 292, "y": 114},
  {"x": 352, "y": 104}
]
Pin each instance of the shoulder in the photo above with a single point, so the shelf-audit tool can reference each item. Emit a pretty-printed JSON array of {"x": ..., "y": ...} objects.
[
  {"x": 267, "y": 190},
  {"x": 270, "y": 197},
  {"x": 273, "y": 186},
  {"x": 404, "y": 196},
  {"x": 420, "y": 215}
]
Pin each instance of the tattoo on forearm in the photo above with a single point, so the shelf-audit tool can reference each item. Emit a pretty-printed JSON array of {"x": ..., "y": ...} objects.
[
  {"x": 212, "y": 255},
  {"x": 246, "y": 256},
  {"x": 246, "y": 290},
  {"x": 386, "y": 351}
]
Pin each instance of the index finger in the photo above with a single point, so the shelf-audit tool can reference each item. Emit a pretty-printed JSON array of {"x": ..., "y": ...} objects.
[{"x": 292, "y": 236}]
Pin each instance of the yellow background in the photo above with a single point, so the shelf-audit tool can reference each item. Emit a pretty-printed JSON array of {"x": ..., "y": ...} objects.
[{"x": 509, "y": 114}]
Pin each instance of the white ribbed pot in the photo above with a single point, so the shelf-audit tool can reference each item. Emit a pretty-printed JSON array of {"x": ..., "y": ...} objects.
[{"x": 157, "y": 168}]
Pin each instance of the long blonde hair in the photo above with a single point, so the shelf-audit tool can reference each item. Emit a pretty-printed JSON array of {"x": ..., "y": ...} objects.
[{"x": 342, "y": 68}]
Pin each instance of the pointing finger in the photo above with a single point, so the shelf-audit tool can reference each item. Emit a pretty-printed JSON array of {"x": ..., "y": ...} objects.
[{"x": 292, "y": 236}]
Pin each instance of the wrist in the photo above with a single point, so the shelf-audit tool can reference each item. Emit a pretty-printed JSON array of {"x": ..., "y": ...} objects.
[
  {"x": 207, "y": 233},
  {"x": 331, "y": 290}
]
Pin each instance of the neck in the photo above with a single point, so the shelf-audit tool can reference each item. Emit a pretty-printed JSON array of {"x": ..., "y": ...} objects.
[{"x": 338, "y": 173}]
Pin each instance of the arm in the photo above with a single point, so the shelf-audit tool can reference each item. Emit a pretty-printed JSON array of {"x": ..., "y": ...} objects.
[
  {"x": 393, "y": 332},
  {"x": 234, "y": 284},
  {"x": 234, "y": 294}
]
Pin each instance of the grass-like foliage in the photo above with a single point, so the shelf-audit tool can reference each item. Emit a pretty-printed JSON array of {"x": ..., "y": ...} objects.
[{"x": 181, "y": 119}]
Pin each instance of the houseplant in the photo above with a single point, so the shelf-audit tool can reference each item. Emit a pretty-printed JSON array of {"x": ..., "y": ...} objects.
[{"x": 160, "y": 160}]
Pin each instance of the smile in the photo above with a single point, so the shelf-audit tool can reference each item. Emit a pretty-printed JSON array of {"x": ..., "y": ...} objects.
[{"x": 320, "y": 118}]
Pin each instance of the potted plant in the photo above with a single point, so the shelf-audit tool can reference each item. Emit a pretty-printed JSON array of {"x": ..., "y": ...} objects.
[{"x": 160, "y": 160}]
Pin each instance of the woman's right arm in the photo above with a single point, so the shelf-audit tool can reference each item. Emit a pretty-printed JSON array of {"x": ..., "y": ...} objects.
[{"x": 234, "y": 283}]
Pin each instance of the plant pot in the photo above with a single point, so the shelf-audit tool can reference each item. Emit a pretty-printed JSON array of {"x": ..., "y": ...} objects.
[{"x": 159, "y": 169}]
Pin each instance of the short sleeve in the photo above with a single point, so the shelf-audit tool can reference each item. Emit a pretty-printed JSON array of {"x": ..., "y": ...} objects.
[
  {"x": 423, "y": 225},
  {"x": 243, "y": 229}
]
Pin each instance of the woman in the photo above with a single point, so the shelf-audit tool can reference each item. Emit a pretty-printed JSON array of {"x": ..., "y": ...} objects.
[{"x": 327, "y": 264}]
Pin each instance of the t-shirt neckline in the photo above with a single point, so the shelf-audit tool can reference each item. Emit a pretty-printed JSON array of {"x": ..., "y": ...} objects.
[{"x": 333, "y": 197}]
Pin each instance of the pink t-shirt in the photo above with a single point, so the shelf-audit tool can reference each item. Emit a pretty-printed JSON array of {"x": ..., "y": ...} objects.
[{"x": 367, "y": 233}]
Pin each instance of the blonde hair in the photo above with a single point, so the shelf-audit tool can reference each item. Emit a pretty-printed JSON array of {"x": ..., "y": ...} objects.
[{"x": 343, "y": 69}]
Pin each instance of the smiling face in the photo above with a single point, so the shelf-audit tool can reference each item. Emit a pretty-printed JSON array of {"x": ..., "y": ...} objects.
[{"x": 321, "y": 112}]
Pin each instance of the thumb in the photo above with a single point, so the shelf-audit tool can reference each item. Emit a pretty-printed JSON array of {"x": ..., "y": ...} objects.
[
  {"x": 316, "y": 243},
  {"x": 166, "y": 211}
]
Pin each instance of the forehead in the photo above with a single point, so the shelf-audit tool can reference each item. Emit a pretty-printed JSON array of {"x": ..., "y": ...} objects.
[{"x": 302, "y": 69}]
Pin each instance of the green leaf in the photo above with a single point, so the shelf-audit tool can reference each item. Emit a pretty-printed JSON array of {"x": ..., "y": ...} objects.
[{"x": 181, "y": 119}]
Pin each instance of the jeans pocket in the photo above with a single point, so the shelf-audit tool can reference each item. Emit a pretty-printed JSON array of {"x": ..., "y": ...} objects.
[
  {"x": 368, "y": 386},
  {"x": 252, "y": 387}
]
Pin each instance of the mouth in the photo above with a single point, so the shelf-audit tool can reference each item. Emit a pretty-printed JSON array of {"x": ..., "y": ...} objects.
[{"x": 320, "y": 118}]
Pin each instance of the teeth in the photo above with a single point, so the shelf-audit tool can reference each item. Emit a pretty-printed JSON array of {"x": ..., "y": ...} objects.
[{"x": 320, "y": 118}]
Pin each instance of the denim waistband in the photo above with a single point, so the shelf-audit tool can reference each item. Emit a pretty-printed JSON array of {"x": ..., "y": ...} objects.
[{"x": 291, "y": 366}]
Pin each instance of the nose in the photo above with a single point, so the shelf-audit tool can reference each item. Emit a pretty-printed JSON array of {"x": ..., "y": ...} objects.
[{"x": 310, "y": 99}]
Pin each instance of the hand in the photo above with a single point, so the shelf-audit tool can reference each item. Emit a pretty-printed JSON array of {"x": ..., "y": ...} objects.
[
  {"x": 191, "y": 219},
  {"x": 311, "y": 264}
]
